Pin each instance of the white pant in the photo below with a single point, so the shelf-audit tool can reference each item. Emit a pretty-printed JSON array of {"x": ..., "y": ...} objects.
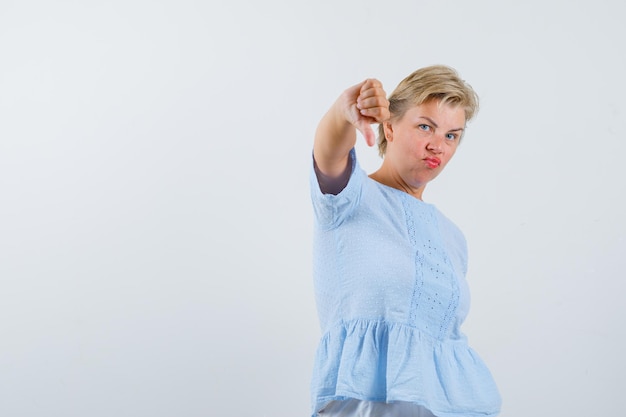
[{"x": 359, "y": 408}]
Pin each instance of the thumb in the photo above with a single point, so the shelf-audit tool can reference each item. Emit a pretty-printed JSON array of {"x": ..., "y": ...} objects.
[{"x": 366, "y": 130}]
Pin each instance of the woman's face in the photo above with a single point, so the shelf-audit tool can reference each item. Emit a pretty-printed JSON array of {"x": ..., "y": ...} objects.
[{"x": 421, "y": 143}]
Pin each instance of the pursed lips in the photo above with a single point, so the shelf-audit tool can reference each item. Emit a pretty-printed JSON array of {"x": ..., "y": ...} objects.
[{"x": 432, "y": 162}]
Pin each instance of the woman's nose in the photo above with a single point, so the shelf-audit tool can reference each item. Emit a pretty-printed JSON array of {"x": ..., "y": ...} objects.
[{"x": 435, "y": 144}]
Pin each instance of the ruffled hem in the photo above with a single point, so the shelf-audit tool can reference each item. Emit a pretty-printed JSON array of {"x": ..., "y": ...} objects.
[{"x": 380, "y": 361}]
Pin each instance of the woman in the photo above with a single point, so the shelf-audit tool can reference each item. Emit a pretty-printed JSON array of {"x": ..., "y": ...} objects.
[{"x": 389, "y": 269}]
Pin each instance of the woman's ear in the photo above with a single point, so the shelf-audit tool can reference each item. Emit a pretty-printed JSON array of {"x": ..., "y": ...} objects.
[{"x": 388, "y": 131}]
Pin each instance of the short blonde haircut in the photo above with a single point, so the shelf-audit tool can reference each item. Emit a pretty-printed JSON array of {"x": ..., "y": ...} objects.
[{"x": 436, "y": 82}]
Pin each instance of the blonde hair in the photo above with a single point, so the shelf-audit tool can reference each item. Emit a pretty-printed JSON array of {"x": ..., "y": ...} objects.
[{"x": 436, "y": 82}]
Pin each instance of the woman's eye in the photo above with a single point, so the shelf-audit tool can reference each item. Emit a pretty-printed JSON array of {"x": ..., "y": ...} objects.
[
  {"x": 425, "y": 128},
  {"x": 451, "y": 136}
]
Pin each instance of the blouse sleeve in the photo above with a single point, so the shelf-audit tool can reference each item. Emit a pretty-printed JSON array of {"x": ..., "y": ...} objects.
[{"x": 330, "y": 210}]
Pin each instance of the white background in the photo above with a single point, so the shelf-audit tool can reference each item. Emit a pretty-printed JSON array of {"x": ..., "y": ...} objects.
[{"x": 155, "y": 221}]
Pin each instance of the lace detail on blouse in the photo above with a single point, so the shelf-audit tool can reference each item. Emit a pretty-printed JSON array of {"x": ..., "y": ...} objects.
[{"x": 435, "y": 292}]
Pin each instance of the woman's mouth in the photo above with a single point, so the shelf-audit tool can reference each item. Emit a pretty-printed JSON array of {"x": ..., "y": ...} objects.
[{"x": 432, "y": 162}]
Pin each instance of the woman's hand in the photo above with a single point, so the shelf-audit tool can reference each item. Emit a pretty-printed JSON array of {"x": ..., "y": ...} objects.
[{"x": 364, "y": 104}]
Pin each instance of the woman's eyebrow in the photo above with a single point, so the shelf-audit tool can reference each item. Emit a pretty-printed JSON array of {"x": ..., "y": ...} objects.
[{"x": 432, "y": 122}]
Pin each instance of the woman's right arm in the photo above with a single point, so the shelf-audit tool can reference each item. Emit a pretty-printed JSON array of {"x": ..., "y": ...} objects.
[{"x": 355, "y": 109}]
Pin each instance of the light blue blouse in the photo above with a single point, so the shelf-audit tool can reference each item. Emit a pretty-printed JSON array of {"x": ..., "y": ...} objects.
[{"x": 389, "y": 273}]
